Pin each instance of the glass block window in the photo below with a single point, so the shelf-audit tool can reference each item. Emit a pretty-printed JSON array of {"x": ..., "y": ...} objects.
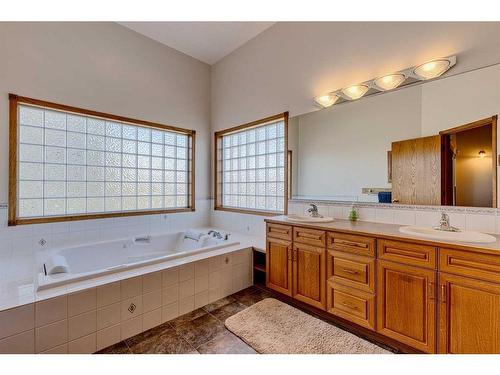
[
  {"x": 251, "y": 165},
  {"x": 74, "y": 164}
]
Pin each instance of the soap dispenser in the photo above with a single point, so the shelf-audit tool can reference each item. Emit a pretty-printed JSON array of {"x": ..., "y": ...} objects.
[{"x": 353, "y": 213}]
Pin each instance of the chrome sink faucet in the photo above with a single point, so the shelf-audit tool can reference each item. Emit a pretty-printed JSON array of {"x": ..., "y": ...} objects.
[
  {"x": 314, "y": 211},
  {"x": 444, "y": 224}
]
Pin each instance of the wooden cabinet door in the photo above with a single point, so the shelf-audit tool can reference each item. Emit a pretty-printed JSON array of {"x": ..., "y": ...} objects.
[
  {"x": 279, "y": 265},
  {"x": 406, "y": 306},
  {"x": 309, "y": 275},
  {"x": 416, "y": 171},
  {"x": 469, "y": 316}
]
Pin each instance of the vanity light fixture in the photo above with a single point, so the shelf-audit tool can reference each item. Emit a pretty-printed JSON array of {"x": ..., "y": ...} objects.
[
  {"x": 389, "y": 81},
  {"x": 326, "y": 100},
  {"x": 482, "y": 154},
  {"x": 422, "y": 72},
  {"x": 355, "y": 91}
]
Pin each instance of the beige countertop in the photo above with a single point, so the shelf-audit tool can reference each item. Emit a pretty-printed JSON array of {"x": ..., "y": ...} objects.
[{"x": 389, "y": 231}]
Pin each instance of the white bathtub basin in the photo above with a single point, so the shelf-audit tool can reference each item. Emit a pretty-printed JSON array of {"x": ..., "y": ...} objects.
[
  {"x": 465, "y": 236},
  {"x": 105, "y": 257}
]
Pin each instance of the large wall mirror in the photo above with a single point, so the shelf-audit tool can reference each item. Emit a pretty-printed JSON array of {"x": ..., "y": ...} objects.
[{"x": 433, "y": 143}]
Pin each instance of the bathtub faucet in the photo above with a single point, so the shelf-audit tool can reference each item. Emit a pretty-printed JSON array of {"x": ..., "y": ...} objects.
[{"x": 215, "y": 234}]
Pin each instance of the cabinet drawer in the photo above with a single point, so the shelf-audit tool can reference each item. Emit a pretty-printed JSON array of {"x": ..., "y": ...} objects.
[
  {"x": 407, "y": 253},
  {"x": 351, "y": 304},
  {"x": 465, "y": 263},
  {"x": 308, "y": 236},
  {"x": 351, "y": 270},
  {"x": 351, "y": 243},
  {"x": 283, "y": 232}
]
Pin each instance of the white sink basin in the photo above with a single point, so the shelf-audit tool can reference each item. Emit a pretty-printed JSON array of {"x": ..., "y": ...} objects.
[
  {"x": 309, "y": 219},
  {"x": 430, "y": 233}
]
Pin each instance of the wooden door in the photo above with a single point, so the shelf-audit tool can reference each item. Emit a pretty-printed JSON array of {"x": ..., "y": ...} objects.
[
  {"x": 309, "y": 274},
  {"x": 416, "y": 171},
  {"x": 469, "y": 316},
  {"x": 406, "y": 308},
  {"x": 279, "y": 265}
]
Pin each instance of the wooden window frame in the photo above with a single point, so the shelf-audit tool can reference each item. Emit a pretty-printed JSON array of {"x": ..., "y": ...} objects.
[
  {"x": 15, "y": 100},
  {"x": 217, "y": 168}
]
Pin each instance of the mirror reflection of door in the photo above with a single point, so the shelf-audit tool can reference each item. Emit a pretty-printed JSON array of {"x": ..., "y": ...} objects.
[{"x": 468, "y": 164}]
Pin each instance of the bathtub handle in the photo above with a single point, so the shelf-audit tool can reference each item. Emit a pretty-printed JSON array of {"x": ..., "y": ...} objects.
[{"x": 226, "y": 237}]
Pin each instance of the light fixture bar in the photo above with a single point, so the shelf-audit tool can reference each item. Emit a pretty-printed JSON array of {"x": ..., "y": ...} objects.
[{"x": 422, "y": 72}]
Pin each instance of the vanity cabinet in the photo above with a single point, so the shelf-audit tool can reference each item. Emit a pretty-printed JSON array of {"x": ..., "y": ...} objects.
[
  {"x": 469, "y": 302},
  {"x": 469, "y": 315},
  {"x": 422, "y": 296},
  {"x": 279, "y": 265},
  {"x": 309, "y": 265},
  {"x": 406, "y": 305},
  {"x": 351, "y": 278},
  {"x": 296, "y": 263}
]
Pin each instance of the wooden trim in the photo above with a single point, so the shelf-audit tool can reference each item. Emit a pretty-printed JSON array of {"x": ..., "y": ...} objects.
[
  {"x": 494, "y": 120},
  {"x": 218, "y": 194},
  {"x": 243, "y": 211},
  {"x": 54, "y": 219},
  {"x": 88, "y": 112},
  {"x": 192, "y": 172},
  {"x": 255, "y": 123},
  {"x": 477, "y": 124},
  {"x": 469, "y": 126},
  {"x": 15, "y": 100}
]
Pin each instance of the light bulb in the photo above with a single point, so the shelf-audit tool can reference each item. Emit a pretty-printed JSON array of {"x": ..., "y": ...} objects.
[
  {"x": 432, "y": 69},
  {"x": 355, "y": 92},
  {"x": 389, "y": 81},
  {"x": 326, "y": 100}
]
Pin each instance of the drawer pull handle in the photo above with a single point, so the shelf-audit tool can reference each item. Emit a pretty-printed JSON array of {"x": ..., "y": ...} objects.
[
  {"x": 346, "y": 270},
  {"x": 350, "y": 243},
  {"x": 348, "y": 306}
]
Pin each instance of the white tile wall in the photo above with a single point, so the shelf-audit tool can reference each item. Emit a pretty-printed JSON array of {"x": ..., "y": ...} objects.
[{"x": 92, "y": 319}]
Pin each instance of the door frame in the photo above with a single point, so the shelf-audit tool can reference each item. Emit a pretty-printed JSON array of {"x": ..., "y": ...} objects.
[{"x": 446, "y": 169}]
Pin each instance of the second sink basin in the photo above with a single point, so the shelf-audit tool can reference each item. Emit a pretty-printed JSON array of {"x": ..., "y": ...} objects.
[
  {"x": 465, "y": 236},
  {"x": 309, "y": 219}
]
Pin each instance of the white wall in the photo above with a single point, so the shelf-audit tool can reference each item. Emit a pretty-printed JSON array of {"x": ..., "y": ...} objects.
[
  {"x": 344, "y": 148},
  {"x": 109, "y": 68},
  {"x": 285, "y": 66}
]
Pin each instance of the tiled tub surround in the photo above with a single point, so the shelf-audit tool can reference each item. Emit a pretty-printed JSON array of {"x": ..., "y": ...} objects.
[
  {"x": 91, "y": 319},
  {"x": 19, "y": 244}
]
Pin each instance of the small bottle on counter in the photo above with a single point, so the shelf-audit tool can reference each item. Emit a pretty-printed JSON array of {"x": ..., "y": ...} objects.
[{"x": 353, "y": 213}]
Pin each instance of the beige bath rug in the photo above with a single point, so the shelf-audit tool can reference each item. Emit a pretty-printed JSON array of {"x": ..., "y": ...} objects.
[{"x": 273, "y": 327}]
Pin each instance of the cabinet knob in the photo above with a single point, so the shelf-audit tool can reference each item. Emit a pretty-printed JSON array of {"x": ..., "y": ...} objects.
[{"x": 395, "y": 201}]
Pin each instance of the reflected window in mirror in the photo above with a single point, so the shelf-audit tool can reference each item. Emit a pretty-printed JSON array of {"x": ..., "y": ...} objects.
[{"x": 251, "y": 165}]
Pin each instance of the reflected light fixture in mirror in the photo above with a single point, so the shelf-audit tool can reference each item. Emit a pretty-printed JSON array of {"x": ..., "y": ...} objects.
[
  {"x": 355, "y": 92},
  {"x": 389, "y": 81},
  {"x": 432, "y": 69},
  {"x": 326, "y": 100},
  {"x": 482, "y": 154}
]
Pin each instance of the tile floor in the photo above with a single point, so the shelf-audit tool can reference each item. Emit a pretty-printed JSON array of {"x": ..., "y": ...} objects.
[{"x": 200, "y": 331}]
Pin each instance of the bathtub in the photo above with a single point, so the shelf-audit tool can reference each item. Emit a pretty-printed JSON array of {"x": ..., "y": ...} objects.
[{"x": 105, "y": 257}]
